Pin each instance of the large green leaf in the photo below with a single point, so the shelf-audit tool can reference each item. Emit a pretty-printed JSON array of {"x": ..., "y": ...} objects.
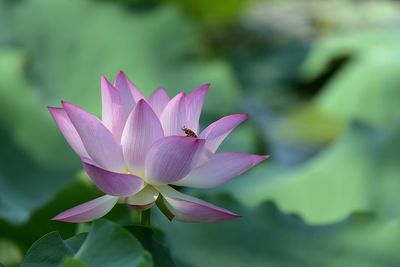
[
  {"x": 338, "y": 45},
  {"x": 40, "y": 222},
  {"x": 265, "y": 237},
  {"x": 366, "y": 88},
  {"x": 385, "y": 185},
  {"x": 48, "y": 251},
  {"x": 107, "y": 244},
  {"x": 79, "y": 191},
  {"x": 358, "y": 172}
]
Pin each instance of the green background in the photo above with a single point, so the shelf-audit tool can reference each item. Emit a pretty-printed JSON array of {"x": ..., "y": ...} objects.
[{"x": 319, "y": 79}]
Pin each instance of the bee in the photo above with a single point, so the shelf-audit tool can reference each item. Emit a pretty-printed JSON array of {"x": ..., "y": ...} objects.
[{"x": 189, "y": 133}]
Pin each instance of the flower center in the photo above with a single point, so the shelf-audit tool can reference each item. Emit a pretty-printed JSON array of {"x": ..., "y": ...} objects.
[{"x": 134, "y": 172}]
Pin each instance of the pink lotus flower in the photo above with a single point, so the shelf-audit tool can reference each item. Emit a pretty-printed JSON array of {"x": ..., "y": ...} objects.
[{"x": 142, "y": 146}]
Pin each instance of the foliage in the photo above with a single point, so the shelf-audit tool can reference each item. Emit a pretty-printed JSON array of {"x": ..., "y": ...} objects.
[
  {"x": 319, "y": 81},
  {"x": 267, "y": 237},
  {"x": 106, "y": 244}
]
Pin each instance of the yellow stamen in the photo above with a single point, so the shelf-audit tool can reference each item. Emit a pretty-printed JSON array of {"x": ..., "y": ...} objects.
[{"x": 127, "y": 171}]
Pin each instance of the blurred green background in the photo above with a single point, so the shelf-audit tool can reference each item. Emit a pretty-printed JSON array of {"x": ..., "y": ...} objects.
[{"x": 319, "y": 79}]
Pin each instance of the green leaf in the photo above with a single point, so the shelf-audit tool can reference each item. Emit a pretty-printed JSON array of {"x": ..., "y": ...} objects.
[
  {"x": 48, "y": 251},
  {"x": 40, "y": 223},
  {"x": 338, "y": 178},
  {"x": 264, "y": 236},
  {"x": 334, "y": 46},
  {"x": 74, "y": 243},
  {"x": 107, "y": 244},
  {"x": 78, "y": 192},
  {"x": 368, "y": 79},
  {"x": 71, "y": 262},
  {"x": 385, "y": 181},
  {"x": 358, "y": 172},
  {"x": 150, "y": 239}
]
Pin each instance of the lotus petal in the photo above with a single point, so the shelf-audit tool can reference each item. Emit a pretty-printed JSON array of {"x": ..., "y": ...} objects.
[
  {"x": 219, "y": 169},
  {"x": 173, "y": 118},
  {"x": 88, "y": 211},
  {"x": 216, "y": 132},
  {"x": 144, "y": 199},
  {"x": 114, "y": 184},
  {"x": 158, "y": 100},
  {"x": 99, "y": 142},
  {"x": 142, "y": 129},
  {"x": 190, "y": 209},
  {"x": 172, "y": 158},
  {"x": 68, "y": 130},
  {"x": 194, "y": 104}
]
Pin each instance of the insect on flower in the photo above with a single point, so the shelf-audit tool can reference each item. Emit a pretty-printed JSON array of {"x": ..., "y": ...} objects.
[
  {"x": 139, "y": 149},
  {"x": 188, "y": 132}
]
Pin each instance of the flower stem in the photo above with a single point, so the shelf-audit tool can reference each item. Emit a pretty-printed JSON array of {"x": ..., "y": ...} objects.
[{"x": 145, "y": 218}]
